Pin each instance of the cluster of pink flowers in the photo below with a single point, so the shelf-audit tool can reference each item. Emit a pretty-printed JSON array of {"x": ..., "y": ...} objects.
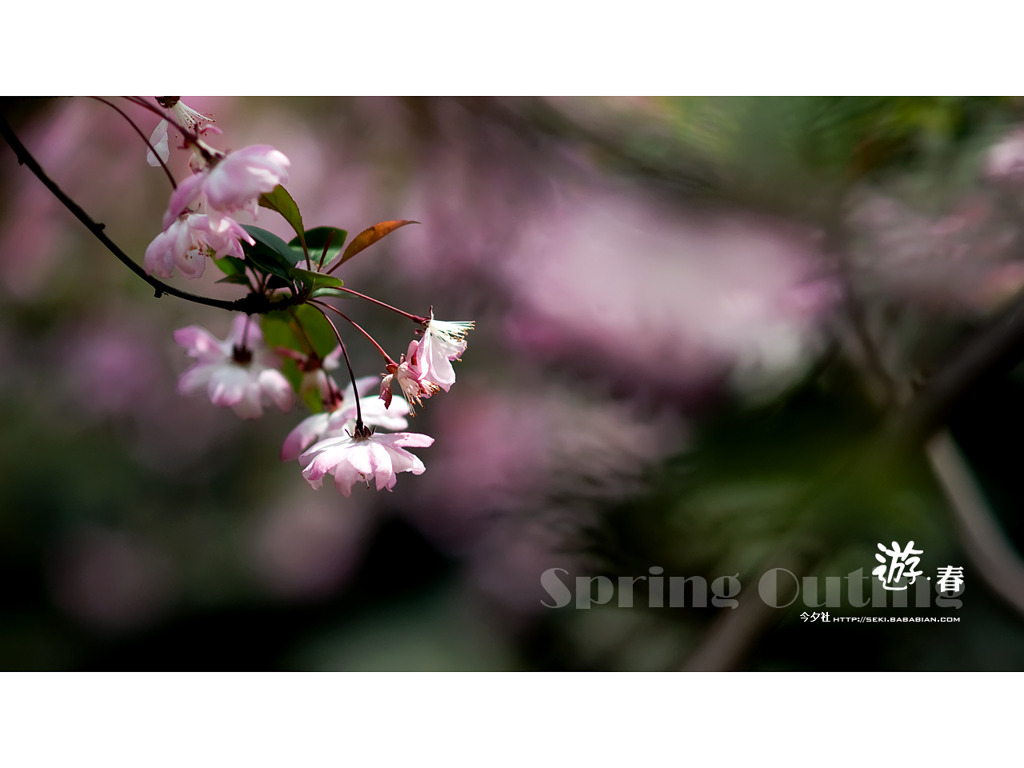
[
  {"x": 223, "y": 184},
  {"x": 187, "y": 242},
  {"x": 242, "y": 372}
]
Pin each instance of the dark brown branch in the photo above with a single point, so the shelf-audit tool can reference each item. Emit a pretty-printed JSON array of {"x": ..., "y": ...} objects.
[
  {"x": 254, "y": 303},
  {"x": 985, "y": 543},
  {"x": 994, "y": 351}
]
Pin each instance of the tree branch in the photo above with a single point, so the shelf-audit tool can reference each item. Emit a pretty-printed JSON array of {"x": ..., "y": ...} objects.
[
  {"x": 993, "y": 351},
  {"x": 984, "y": 542},
  {"x": 254, "y": 303}
]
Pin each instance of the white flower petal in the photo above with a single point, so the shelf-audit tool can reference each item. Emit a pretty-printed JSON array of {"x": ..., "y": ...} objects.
[{"x": 159, "y": 141}]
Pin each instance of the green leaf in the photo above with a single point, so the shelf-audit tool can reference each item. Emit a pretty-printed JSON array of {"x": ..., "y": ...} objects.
[
  {"x": 317, "y": 238},
  {"x": 261, "y": 263},
  {"x": 297, "y": 328},
  {"x": 318, "y": 329},
  {"x": 277, "y": 282},
  {"x": 270, "y": 254},
  {"x": 278, "y": 332},
  {"x": 240, "y": 279},
  {"x": 230, "y": 265},
  {"x": 279, "y": 200},
  {"x": 314, "y": 280},
  {"x": 272, "y": 244},
  {"x": 371, "y": 235},
  {"x": 328, "y": 291}
]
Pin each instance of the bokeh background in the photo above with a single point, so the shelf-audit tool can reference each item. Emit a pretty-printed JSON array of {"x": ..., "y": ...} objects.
[{"x": 695, "y": 318}]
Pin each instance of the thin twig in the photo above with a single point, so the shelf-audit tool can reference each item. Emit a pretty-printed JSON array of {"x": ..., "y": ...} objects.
[
  {"x": 985, "y": 544},
  {"x": 138, "y": 130},
  {"x": 191, "y": 136},
  {"x": 991, "y": 352},
  {"x": 348, "y": 363},
  {"x": 415, "y": 318},
  {"x": 355, "y": 325}
]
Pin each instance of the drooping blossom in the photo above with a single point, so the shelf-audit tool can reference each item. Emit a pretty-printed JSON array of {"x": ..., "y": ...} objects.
[
  {"x": 316, "y": 376},
  {"x": 341, "y": 418},
  {"x": 189, "y": 240},
  {"x": 238, "y": 372},
  {"x": 231, "y": 183},
  {"x": 410, "y": 379},
  {"x": 442, "y": 342},
  {"x": 184, "y": 116},
  {"x": 363, "y": 457}
]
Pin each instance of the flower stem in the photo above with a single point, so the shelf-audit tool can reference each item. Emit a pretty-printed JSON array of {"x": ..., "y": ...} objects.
[
  {"x": 304, "y": 336},
  {"x": 358, "y": 327},
  {"x": 190, "y": 136},
  {"x": 131, "y": 122},
  {"x": 415, "y": 318},
  {"x": 348, "y": 363},
  {"x": 327, "y": 245}
]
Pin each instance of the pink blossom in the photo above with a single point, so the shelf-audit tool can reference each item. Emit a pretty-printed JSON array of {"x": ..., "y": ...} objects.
[
  {"x": 232, "y": 183},
  {"x": 239, "y": 372},
  {"x": 342, "y": 419},
  {"x": 315, "y": 376},
  {"x": 189, "y": 240},
  {"x": 184, "y": 116},
  {"x": 362, "y": 457},
  {"x": 442, "y": 342},
  {"x": 410, "y": 379}
]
